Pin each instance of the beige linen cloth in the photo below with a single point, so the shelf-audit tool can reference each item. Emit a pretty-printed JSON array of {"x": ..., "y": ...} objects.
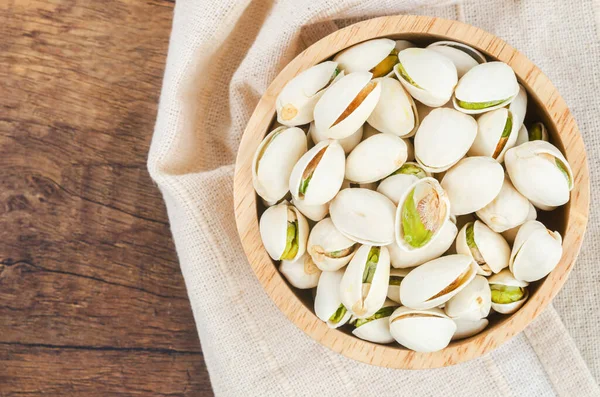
[{"x": 222, "y": 56}]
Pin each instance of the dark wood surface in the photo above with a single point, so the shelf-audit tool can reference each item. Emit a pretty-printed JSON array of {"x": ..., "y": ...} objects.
[{"x": 92, "y": 301}]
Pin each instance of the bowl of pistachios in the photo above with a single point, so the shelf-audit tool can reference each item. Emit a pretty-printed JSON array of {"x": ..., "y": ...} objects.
[{"x": 411, "y": 191}]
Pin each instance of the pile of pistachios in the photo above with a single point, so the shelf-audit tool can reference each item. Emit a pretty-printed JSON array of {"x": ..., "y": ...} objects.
[{"x": 402, "y": 184}]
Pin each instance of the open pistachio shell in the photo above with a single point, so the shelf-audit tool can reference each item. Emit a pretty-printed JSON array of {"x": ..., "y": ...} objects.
[
  {"x": 296, "y": 102},
  {"x": 422, "y": 211},
  {"x": 395, "y": 112},
  {"x": 496, "y": 133},
  {"x": 540, "y": 172},
  {"x": 348, "y": 143},
  {"x": 328, "y": 304},
  {"x": 511, "y": 234},
  {"x": 376, "y": 56},
  {"x": 441, "y": 243},
  {"x": 375, "y": 158},
  {"x": 443, "y": 138},
  {"x": 396, "y": 276},
  {"x": 472, "y": 303},
  {"x": 377, "y": 327},
  {"x": 274, "y": 160},
  {"x": 446, "y": 276},
  {"x": 473, "y": 183},
  {"x": 395, "y": 185},
  {"x": 423, "y": 331},
  {"x": 536, "y": 132},
  {"x": 318, "y": 175},
  {"x": 428, "y": 76},
  {"x": 364, "y": 216},
  {"x": 508, "y": 293},
  {"x": 329, "y": 249},
  {"x": 363, "y": 288},
  {"x": 301, "y": 273},
  {"x": 507, "y": 210},
  {"x": 536, "y": 252},
  {"x": 284, "y": 231},
  {"x": 488, "y": 248},
  {"x": 466, "y": 328},
  {"x": 486, "y": 87},
  {"x": 464, "y": 57},
  {"x": 313, "y": 212},
  {"x": 346, "y": 105}
]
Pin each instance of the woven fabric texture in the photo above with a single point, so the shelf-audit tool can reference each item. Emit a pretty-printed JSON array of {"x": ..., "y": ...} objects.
[{"x": 222, "y": 56}]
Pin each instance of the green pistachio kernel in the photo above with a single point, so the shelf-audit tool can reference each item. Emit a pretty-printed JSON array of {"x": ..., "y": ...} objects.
[
  {"x": 535, "y": 132},
  {"x": 386, "y": 65},
  {"x": 381, "y": 313},
  {"x": 415, "y": 232},
  {"x": 470, "y": 232},
  {"x": 291, "y": 242},
  {"x": 505, "y": 134},
  {"x": 405, "y": 75},
  {"x": 563, "y": 168},
  {"x": 479, "y": 105},
  {"x": 411, "y": 169},
  {"x": 304, "y": 184},
  {"x": 395, "y": 280},
  {"x": 338, "y": 315},
  {"x": 371, "y": 265},
  {"x": 505, "y": 294}
]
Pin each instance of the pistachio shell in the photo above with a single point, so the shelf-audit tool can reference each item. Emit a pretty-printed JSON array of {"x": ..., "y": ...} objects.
[
  {"x": 395, "y": 112},
  {"x": 493, "y": 84},
  {"x": 440, "y": 244},
  {"x": 348, "y": 143},
  {"x": 327, "y": 246},
  {"x": 446, "y": 276},
  {"x": 327, "y": 298},
  {"x": 491, "y": 249},
  {"x": 422, "y": 211},
  {"x": 377, "y": 330},
  {"x": 421, "y": 330},
  {"x": 534, "y": 170},
  {"x": 523, "y": 136},
  {"x": 481, "y": 175},
  {"x": 364, "y": 216},
  {"x": 296, "y": 102},
  {"x": 274, "y": 160},
  {"x": 536, "y": 252},
  {"x": 505, "y": 277},
  {"x": 496, "y": 133},
  {"x": 538, "y": 131},
  {"x": 327, "y": 176},
  {"x": 363, "y": 57},
  {"x": 518, "y": 108},
  {"x": 507, "y": 210},
  {"x": 375, "y": 158},
  {"x": 473, "y": 302},
  {"x": 464, "y": 57},
  {"x": 273, "y": 228},
  {"x": 313, "y": 212},
  {"x": 428, "y": 76},
  {"x": 346, "y": 105},
  {"x": 301, "y": 273},
  {"x": 395, "y": 186},
  {"x": 466, "y": 328},
  {"x": 443, "y": 138},
  {"x": 364, "y": 298},
  {"x": 393, "y": 291},
  {"x": 511, "y": 234}
]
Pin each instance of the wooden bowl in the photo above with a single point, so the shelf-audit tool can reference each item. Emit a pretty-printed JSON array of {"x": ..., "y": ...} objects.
[{"x": 545, "y": 104}]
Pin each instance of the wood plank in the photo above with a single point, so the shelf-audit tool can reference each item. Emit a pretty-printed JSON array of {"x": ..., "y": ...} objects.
[{"x": 39, "y": 370}]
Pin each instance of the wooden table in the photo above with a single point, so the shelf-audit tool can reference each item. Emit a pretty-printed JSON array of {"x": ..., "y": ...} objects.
[{"x": 92, "y": 302}]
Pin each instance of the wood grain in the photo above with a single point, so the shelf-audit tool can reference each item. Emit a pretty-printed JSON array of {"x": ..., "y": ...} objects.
[
  {"x": 92, "y": 301},
  {"x": 554, "y": 112}
]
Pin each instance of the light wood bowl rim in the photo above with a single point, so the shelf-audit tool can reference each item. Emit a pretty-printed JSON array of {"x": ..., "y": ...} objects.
[{"x": 385, "y": 355}]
